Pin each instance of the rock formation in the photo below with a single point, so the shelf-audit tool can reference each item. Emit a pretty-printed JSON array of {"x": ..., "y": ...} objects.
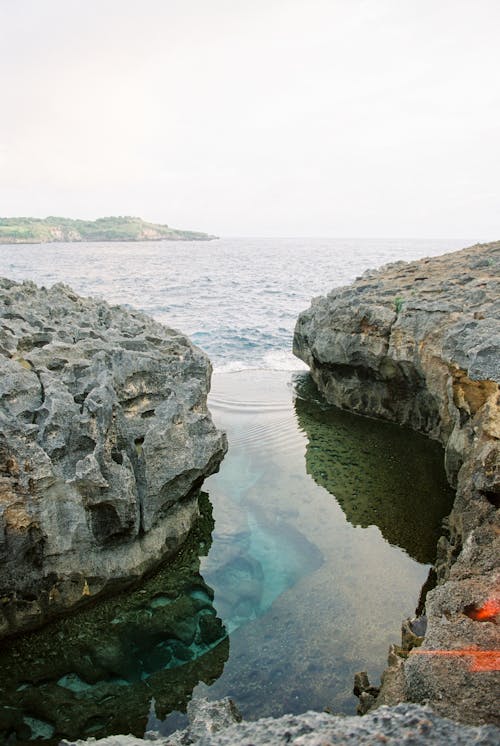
[
  {"x": 105, "y": 439},
  {"x": 216, "y": 724},
  {"x": 419, "y": 344},
  {"x": 94, "y": 673}
]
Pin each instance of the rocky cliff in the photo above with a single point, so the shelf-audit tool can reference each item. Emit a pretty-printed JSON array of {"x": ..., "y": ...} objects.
[
  {"x": 105, "y": 439},
  {"x": 419, "y": 344}
]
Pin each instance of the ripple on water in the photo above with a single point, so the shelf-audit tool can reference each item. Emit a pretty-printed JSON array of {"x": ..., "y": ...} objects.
[{"x": 342, "y": 613}]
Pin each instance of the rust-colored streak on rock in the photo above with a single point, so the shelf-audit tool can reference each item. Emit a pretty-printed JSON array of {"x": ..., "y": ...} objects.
[
  {"x": 480, "y": 660},
  {"x": 487, "y": 612},
  {"x": 16, "y": 518},
  {"x": 366, "y": 328},
  {"x": 471, "y": 395}
]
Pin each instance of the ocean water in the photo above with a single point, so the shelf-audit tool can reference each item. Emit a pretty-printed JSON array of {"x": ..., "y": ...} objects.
[
  {"x": 236, "y": 298},
  {"x": 318, "y": 530}
]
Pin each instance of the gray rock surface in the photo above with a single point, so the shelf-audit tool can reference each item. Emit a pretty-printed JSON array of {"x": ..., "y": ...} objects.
[
  {"x": 105, "y": 439},
  {"x": 419, "y": 344},
  {"x": 403, "y": 724}
]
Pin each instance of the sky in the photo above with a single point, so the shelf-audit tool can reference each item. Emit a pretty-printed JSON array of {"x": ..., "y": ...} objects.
[{"x": 342, "y": 118}]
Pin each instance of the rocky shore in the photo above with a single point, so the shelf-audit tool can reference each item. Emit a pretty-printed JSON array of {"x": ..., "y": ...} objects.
[
  {"x": 419, "y": 344},
  {"x": 414, "y": 343},
  {"x": 105, "y": 440},
  {"x": 218, "y": 724}
]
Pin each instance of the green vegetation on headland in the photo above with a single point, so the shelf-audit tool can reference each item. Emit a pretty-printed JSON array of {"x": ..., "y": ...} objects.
[{"x": 45, "y": 230}]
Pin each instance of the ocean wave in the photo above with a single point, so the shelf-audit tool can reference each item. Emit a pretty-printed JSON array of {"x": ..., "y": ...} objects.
[
  {"x": 238, "y": 299},
  {"x": 271, "y": 360}
]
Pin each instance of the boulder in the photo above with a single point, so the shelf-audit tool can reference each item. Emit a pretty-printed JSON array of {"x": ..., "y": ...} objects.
[{"x": 105, "y": 440}]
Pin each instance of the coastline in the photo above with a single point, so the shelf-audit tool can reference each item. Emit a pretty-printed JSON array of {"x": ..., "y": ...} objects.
[
  {"x": 24, "y": 230},
  {"x": 141, "y": 239},
  {"x": 418, "y": 343},
  {"x": 463, "y": 395}
]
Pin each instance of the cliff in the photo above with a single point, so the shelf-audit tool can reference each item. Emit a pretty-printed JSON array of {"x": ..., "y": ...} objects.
[
  {"x": 52, "y": 229},
  {"x": 419, "y": 344},
  {"x": 105, "y": 440}
]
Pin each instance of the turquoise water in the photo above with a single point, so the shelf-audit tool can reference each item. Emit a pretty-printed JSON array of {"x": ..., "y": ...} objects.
[
  {"x": 354, "y": 570},
  {"x": 317, "y": 533}
]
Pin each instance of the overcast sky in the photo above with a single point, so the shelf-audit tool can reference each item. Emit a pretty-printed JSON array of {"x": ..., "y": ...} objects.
[{"x": 255, "y": 117}]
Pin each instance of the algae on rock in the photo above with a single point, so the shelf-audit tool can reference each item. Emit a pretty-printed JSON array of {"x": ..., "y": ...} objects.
[{"x": 94, "y": 672}]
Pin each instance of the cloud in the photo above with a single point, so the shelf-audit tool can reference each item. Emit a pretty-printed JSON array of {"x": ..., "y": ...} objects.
[{"x": 333, "y": 117}]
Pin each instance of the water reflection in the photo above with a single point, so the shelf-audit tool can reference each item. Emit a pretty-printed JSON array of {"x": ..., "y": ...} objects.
[
  {"x": 333, "y": 592},
  {"x": 310, "y": 588},
  {"x": 395, "y": 483},
  {"x": 96, "y": 673}
]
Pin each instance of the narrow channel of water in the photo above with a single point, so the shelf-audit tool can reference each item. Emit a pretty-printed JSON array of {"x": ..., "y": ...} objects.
[{"x": 324, "y": 525}]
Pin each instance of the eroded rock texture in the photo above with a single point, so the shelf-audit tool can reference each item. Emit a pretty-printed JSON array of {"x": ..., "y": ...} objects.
[
  {"x": 105, "y": 439},
  {"x": 419, "y": 344},
  {"x": 216, "y": 724}
]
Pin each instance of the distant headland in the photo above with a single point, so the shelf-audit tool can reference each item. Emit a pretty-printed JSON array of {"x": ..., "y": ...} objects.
[{"x": 51, "y": 229}]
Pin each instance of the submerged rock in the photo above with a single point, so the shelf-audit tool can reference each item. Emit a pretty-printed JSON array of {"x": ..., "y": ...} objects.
[
  {"x": 105, "y": 440},
  {"x": 419, "y": 344}
]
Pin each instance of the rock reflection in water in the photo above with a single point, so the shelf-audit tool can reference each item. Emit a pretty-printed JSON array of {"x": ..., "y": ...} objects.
[
  {"x": 358, "y": 460},
  {"x": 96, "y": 673}
]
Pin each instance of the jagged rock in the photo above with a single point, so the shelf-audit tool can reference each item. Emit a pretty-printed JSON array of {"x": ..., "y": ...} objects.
[
  {"x": 404, "y": 724},
  {"x": 205, "y": 719},
  {"x": 361, "y": 682},
  {"x": 365, "y": 692},
  {"x": 413, "y": 632},
  {"x": 419, "y": 344},
  {"x": 105, "y": 439}
]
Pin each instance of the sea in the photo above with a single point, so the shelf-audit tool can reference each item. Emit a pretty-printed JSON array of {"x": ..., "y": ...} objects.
[
  {"x": 318, "y": 531},
  {"x": 237, "y": 298}
]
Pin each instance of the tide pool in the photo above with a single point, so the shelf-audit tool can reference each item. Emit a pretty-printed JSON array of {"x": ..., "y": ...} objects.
[{"x": 315, "y": 539}]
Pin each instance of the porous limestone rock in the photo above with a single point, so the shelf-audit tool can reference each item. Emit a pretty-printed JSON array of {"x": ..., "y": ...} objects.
[
  {"x": 419, "y": 343},
  {"x": 404, "y": 724},
  {"x": 105, "y": 439}
]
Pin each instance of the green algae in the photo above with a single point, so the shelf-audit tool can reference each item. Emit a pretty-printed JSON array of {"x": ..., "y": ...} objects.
[
  {"x": 95, "y": 672},
  {"x": 379, "y": 473}
]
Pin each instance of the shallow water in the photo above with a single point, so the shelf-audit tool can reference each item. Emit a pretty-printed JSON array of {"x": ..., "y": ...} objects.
[{"x": 301, "y": 579}]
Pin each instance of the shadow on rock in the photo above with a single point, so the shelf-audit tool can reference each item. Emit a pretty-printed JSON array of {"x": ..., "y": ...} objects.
[{"x": 96, "y": 673}]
